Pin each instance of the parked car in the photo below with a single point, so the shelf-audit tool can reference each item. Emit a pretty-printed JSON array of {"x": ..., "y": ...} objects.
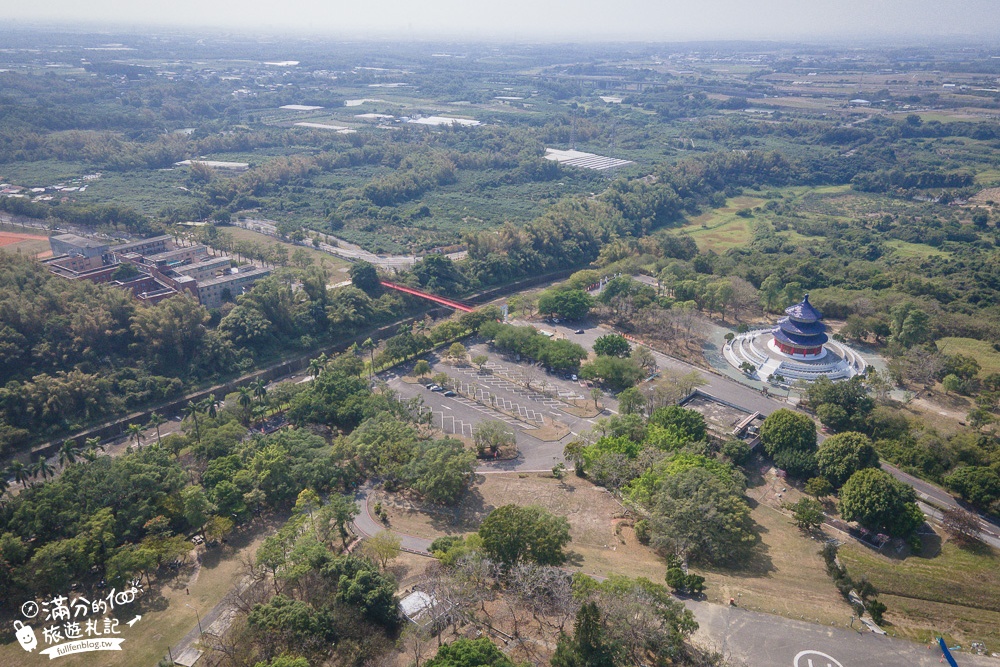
[
  {"x": 579, "y": 331},
  {"x": 575, "y": 378},
  {"x": 449, "y": 393},
  {"x": 435, "y": 387}
]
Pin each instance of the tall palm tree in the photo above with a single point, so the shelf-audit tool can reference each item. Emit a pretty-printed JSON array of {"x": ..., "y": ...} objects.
[
  {"x": 20, "y": 472},
  {"x": 68, "y": 452},
  {"x": 245, "y": 399},
  {"x": 315, "y": 367},
  {"x": 155, "y": 420},
  {"x": 369, "y": 345},
  {"x": 42, "y": 467},
  {"x": 260, "y": 390},
  {"x": 210, "y": 406},
  {"x": 191, "y": 410},
  {"x": 135, "y": 431}
]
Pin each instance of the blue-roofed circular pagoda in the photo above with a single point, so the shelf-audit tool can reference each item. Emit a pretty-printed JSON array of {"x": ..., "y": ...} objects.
[
  {"x": 797, "y": 348},
  {"x": 802, "y": 334}
]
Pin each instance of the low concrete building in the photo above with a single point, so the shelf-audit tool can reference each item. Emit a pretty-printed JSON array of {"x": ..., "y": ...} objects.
[
  {"x": 176, "y": 257},
  {"x": 213, "y": 293},
  {"x": 77, "y": 246},
  {"x": 150, "y": 246},
  {"x": 205, "y": 269}
]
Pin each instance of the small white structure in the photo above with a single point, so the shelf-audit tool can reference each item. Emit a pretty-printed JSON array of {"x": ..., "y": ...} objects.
[{"x": 426, "y": 611}]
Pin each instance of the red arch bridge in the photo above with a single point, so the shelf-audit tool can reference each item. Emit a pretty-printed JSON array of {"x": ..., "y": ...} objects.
[{"x": 430, "y": 297}]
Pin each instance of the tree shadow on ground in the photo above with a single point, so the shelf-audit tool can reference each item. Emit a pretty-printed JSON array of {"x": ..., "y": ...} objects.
[
  {"x": 753, "y": 561},
  {"x": 464, "y": 517},
  {"x": 574, "y": 559}
]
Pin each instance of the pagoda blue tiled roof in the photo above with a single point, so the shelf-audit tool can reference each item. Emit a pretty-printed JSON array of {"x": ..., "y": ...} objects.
[
  {"x": 804, "y": 311},
  {"x": 802, "y": 328},
  {"x": 797, "y": 340}
]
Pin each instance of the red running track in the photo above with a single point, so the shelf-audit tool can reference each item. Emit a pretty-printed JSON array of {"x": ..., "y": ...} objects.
[{"x": 430, "y": 297}]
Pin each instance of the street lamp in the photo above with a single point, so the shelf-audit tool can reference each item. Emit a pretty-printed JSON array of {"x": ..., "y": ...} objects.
[{"x": 198, "y": 616}]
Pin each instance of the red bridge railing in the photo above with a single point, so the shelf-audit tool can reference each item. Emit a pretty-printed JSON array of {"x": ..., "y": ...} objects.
[{"x": 430, "y": 297}]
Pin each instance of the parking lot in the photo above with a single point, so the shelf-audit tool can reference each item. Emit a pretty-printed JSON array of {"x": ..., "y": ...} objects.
[{"x": 499, "y": 392}]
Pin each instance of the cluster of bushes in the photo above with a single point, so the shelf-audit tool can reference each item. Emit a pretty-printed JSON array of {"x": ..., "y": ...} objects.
[
  {"x": 529, "y": 343},
  {"x": 845, "y": 584}
]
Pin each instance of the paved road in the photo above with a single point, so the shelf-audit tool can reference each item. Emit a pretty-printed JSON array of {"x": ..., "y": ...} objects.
[
  {"x": 764, "y": 640},
  {"x": 367, "y": 526}
]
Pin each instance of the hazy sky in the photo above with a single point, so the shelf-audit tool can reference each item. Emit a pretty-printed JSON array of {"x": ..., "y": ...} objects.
[{"x": 540, "y": 19}]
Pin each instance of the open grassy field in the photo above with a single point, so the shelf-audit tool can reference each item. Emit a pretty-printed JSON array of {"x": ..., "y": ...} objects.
[
  {"x": 980, "y": 350},
  {"x": 335, "y": 265},
  {"x": 915, "y": 250},
  {"x": 721, "y": 229},
  {"x": 955, "y": 591}
]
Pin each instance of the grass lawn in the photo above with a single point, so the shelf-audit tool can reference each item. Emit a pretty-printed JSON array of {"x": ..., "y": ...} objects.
[
  {"x": 956, "y": 591},
  {"x": 336, "y": 265},
  {"x": 980, "y": 350},
  {"x": 786, "y": 575},
  {"x": 165, "y": 619},
  {"x": 721, "y": 229},
  {"x": 918, "y": 250}
]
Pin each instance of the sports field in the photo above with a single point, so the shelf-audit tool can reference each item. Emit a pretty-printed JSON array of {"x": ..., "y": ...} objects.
[{"x": 29, "y": 244}]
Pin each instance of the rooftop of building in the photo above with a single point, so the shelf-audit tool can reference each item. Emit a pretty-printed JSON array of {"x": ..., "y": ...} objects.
[
  {"x": 80, "y": 241},
  {"x": 124, "y": 247},
  {"x": 804, "y": 311},
  {"x": 229, "y": 277}
]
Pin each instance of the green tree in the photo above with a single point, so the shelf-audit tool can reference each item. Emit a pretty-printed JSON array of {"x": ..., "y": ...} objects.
[
  {"x": 440, "y": 470},
  {"x": 590, "y": 645},
  {"x": 842, "y": 455},
  {"x": 337, "y": 513},
  {"x": 382, "y": 548},
  {"x": 631, "y": 402},
  {"x": 480, "y": 360},
  {"x": 617, "y": 373},
  {"x": 690, "y": 423},
  {"x": 571, "y": 304},
  {"x": 135, "y": 431},
  {"x": 877, "y": 500},
  {"x": 808, "y": 514},
  {"x": 700, "y": 515},
  {"x": 361, "y": 585},
  {"x": 819, "y": 487},
  {"x": 494, "y": 436},
  {"x": 457, "y": 351},
  {"x": 422, "y": 369},
  {"x": 787, "y": 430},
  {"x": 978, "y": 485},
  {"x": 156, "y": 421},
  {"x": 513, "y": 534},
  {"x": 197, "y": 507},
  {"x": 612, "y": 345},
  {"x": 470, "y": 653},
  {"x": 364, "y": 276}
]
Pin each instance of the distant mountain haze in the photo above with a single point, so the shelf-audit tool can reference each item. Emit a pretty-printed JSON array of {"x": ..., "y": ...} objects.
[{"x": 545, "y": 20}]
